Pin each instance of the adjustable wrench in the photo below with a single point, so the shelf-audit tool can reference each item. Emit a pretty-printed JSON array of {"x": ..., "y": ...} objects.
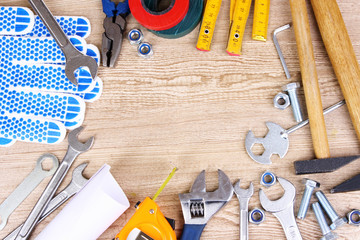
[
  {"x": 26, "y": 187},
  {"x": 244, "y": 196},
  {"x": 74, "y": 58},
  {"x": 283, "y": 209},
  {"x": 74, "y": 149},
  {"x": 78, "y": 181},
  {"x": 198, "y": 206}
]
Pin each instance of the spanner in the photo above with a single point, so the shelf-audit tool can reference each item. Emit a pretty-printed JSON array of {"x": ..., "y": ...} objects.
[
  {"x": 283, "y": 209},
  {"x": 74, "y": 58},
  {"x": 78, "y": 181},
  {"x": 74, "y": 149},
  {"x": 26, "y": 187},
  {"x": 244, "y": 196}
]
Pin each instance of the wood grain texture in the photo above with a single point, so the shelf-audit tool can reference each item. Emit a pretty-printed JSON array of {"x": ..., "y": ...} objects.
[
  {"x": 309, "y": 78},
  {"x": 192, "y": 110}
]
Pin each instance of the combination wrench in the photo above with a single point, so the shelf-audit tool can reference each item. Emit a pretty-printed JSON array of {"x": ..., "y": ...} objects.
[
  {"x": 78, "y": 181},
  {"x": 74, "y": 149},
  {"x": 74, "y": 58},
  {"x": 26, "y": 187}
]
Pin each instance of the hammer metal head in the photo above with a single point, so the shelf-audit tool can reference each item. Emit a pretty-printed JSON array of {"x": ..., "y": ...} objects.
[
  {"x": 74, "y": 142},
  {"x": 282, "y": 203}
]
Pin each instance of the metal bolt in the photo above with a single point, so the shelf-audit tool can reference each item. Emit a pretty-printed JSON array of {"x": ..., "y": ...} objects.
[
  {"x": 327, "y": 234},
  {"x": 310, "y": 185},
  {"x": 151, "y": 211},
  {"x": 291, "y": 89},
  {"x": 334, "y": 217}
]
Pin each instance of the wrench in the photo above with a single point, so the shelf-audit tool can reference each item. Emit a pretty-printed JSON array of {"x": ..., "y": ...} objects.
[
  {"x": 283, "y": 209},
  {"x": 78, "y": 181},
  {"x": 74, "y": 58},
  {"x": 74, "y": 149},
  {"x": 26, "y": 187},
  {"x": 244, "y": 196}
]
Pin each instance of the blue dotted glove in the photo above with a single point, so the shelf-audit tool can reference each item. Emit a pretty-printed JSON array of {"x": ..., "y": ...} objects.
[{"x": 37, "y": 102}]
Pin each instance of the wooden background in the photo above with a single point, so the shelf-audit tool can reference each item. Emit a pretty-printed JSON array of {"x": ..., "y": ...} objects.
[{"x": 192, "y": 110}]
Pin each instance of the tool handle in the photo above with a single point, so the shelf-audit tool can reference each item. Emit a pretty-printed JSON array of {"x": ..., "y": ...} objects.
[
  {"x": 244, "y": 231},
  {"x": 341, "y": 54},
  {"x": 309, "y": 78},
  {"x": 192, "y": 231}
]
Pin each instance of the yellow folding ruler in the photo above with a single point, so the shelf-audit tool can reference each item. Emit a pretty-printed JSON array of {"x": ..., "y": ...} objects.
[
  {"x": 261, "y": 20},
  {"x": 211, "y": 12}
]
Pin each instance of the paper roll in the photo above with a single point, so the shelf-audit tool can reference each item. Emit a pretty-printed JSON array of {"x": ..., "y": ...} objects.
[{"x": 91, "y": 211}]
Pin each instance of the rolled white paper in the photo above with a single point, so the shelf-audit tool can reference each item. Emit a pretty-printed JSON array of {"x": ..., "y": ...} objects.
[{"x": 91, "y": 211}]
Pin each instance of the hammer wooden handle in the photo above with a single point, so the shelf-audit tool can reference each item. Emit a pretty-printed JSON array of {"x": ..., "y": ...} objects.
[
  {"x": 309, "y": 78},
  {"x": 341, "y": 54}
]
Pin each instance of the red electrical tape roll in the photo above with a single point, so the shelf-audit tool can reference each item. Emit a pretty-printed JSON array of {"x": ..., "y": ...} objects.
[{"x": 159, "y": 21}]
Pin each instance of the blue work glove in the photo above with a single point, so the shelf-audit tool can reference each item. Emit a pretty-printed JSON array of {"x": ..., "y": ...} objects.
[{"x": 37, "y": 102}]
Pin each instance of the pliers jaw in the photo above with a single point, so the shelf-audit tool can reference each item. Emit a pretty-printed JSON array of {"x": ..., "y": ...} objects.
[{"x": 112, "y": 39}]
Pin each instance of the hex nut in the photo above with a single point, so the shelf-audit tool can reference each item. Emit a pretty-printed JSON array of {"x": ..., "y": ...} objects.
[
  {"x": 135, "y": 36},
  {"x": 268, "y": 179},
  {"x": 145, "y": 50},
  {"x": 256, "y": 216},
  {"x": 281, "y": 97},
  {"x": 311, "y": 183},
  {"x": 291, "y": 86},
  {"x": 350, "y": 216}
]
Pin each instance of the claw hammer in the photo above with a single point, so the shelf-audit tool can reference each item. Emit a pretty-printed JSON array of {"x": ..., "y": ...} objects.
[
  {"x": 341, "y": 53},
  {"x": 309, "y": 78}
]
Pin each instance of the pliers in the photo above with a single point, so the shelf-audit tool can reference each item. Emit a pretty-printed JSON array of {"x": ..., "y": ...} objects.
[{"x": 114, "y": 25}]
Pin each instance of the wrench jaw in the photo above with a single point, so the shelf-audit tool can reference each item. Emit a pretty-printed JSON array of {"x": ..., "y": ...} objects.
[
  {"x": 74, "y": 142},
  {"x": 275, "y": 142},
  {"x": 199, "y": 206},
  {"x": 78, "y": 178},
  {"x": 55, "y": 163},
  {"x": 243, "y": 193}
]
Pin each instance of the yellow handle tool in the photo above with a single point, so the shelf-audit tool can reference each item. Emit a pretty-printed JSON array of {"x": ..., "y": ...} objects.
[
  {"x": 261, "y": 20},
  {"x": 207, "y": 28},
  {"x": 240, "y": 16},
  {"x": 148, "y": 222}
]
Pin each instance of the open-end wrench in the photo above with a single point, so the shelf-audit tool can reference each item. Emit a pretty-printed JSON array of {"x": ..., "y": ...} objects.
[
  {"x": 198, "y": 206},
  {"x": 78, "y": 181},
  {"x": 74, "y": 58},
  {"x": 26, "y": 187},
  {"x": 243, "y": 196},
  {"x": 74, "y": 149},
  {"x": 283, "y": 209}
]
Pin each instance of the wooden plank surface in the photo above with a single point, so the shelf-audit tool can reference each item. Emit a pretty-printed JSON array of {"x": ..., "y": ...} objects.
[{"x": 192, "y": 110}]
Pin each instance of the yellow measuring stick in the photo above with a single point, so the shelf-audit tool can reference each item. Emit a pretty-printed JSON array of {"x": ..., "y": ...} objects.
[
  {"x": 261, "y": 20},
  {"x": 240, "y": 16},
  {"x": 211, "y": 12},
  {"x": 164, "y": 184},
  {"x": 232, "y": 6}
]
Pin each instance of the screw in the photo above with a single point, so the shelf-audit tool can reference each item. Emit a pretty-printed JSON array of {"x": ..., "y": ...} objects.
[
  {"x": 310, "y": 185},
  {"x": 334, "y": 217},
  {"x": 291, "y": 88},
  {"x": 327, "y": 234}
]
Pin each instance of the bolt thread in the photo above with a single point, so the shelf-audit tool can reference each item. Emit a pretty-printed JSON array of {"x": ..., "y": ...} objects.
[
  {"x": 321, "y": 218},
  {"x": 327, "y": 206},
  {"x": 305, "y": 202}
]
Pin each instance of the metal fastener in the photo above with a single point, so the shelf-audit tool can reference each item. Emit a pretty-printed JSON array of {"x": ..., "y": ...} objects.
[
  {"x": 354, "y": 217},
  {"x": 334, "y": 217},
  {"x": 268, "y": 179},
  {"x": 281, "y": 101},
  {"x": 256, "y": 216},
  {"x": 327, "y": 234},
  {"x": 145, "y": 50},
  {"x": 310, "y": 185},
  {"x": 291, "y": 89},
  {"x": 135, "y": 36}
]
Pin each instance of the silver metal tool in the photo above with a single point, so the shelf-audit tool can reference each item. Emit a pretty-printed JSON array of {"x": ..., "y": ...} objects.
[
  {"x": 283, "y": 209},
  {"x": 199, "y": 206},
  {"x": 278, "y": 49},
  {"x": 327, "y": 234},
  {"x": 256, "y": 216},
  {"x": 244, "y": 196},
  {"x": 74, "y": 58},
  {"x": 336, "y": 220},
  {"x": 74, "y": 149},
  {"x": 78, "y": 181},
  {"x": 354, "y": 217},
  {"x": 276, "y": 140},
  {"x": 281, "y": 101},
  {"x": 310, "y": 185},
  {"x": 268, "y": 179},
  {"x": 26, "y": 187}
]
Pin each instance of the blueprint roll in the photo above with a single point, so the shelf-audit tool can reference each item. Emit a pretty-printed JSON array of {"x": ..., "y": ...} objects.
[{"x": 91, "y": 211}]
